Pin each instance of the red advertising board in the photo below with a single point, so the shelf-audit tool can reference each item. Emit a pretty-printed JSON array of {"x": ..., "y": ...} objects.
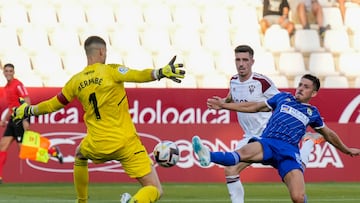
[{"x": 177, "y": 115}]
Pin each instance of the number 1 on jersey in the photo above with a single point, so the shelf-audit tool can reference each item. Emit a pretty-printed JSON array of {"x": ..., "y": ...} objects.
[{"x": 93, "y": 101}]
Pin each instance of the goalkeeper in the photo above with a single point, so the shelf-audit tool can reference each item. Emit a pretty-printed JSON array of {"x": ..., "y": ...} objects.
[{"x": 111, "y": 134}]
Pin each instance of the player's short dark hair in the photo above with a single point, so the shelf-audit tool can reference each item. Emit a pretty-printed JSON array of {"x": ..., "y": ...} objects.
[
  {"x": 244, "y": 49},
  {"x": 9, "y": 65},
  {"x": 94, "y": 40},
  {"x": 314, "y": 79}
]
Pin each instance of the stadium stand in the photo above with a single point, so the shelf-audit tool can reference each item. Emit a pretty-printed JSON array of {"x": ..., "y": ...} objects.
[
  {"x": 188, "y": 82},
  {"x": 322, "y": 64},
  {"x": 349, "y": 64},
  {"x": 216, "y": 40},
  {"x": 19, "y": 58},
  {"x": 138, "y": 59},
  {"x": 277, "y": 40},
  {"x": 47, "y": 64},
  {"x": 155, "y": 39},
  {"x": 214, "y": 81},
  {"x": 332, "y": 81},
  {"x": 357, "y": 82},
  {"x": 71, "y": 14},
  {"x": 13, "y": 15},
  {"x": 216, "y": 17},
  {"x": 100, "y": 15},
  {"x": 42, "y": 14},
  {"x": 33, "y": 39},
  {"x": 225, "y": 62},
  {"x": 246, "y": 36},
  {"x": 200, "y": 63},
  {"x": 129, "y": 15},
  {"x": 280, "y": 81},
  {"x": 240, "y": 12},
  {"x": 337, "y": 41},
  {"x": 332, "y": 17},
  {"x": 307, "y": 41},
  {"x": 114, "y": 56},
  {"x": 61, "y": 34},
  {"x": 185, "y": 39},
  {"x": 202, "y": 34},
  {"x": 157, "y": 15},
  {"x": 291, "y": 64},
  {"x": 125, "y": 39},
  {"x": 356, "y": 41},
  {"x": 8, "y": 38},
  {"x": 265, "y": 63},
  {"x": 187, "y": 16},
  {"x": 352, "y": 16},
  {"x": 74, "y": 60}
]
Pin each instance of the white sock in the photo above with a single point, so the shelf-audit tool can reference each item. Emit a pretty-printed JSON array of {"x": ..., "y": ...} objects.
[
  {"x": 305, "y": 151},
  {"x": 235, "y": 188}
]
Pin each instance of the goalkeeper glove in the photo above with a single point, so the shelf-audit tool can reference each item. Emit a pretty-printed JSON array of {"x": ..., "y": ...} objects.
[
  {"x": 21, "y": 112},
  {"x": 171, "y": 71}
]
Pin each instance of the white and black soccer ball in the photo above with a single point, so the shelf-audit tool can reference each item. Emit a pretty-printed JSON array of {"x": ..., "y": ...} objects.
[{"x": 166, "y": 153}]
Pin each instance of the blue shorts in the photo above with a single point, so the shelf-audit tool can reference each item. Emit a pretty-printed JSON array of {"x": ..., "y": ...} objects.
[{"x": 281, "y": 155}]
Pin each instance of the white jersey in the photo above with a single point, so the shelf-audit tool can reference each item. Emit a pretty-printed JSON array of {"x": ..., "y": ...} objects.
[{"x": 257, "y": 88}]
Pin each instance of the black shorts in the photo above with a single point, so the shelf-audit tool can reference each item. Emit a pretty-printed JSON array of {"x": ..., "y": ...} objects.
[{"x": 14, "y": 129}]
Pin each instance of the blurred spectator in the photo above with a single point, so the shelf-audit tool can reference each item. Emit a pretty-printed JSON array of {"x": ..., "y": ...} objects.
[
  {"x": 306, "y": 12},
  {"x": 276, "y": 12},
  {"x": 342, "y": 6}
]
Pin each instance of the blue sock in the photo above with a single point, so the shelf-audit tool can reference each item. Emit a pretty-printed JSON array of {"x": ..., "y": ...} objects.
[
  {"x": 305, "y": 199},
  {"x": 225, "y": 158}
]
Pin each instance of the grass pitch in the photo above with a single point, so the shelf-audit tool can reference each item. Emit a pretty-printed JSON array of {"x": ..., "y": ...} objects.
[{"x": 177, "y": 193}]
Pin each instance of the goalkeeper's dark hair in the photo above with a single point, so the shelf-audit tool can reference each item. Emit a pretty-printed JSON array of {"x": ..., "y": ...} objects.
[
  {"x": 314, "y": 79},
  {"x": 244, "y": 49},
  {"x": 93, "y": 40},
  {"x": 9, "y": 65}
]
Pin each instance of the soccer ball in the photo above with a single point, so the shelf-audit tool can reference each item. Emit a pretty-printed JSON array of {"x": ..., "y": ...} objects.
[{"x": 166, "y": 153}]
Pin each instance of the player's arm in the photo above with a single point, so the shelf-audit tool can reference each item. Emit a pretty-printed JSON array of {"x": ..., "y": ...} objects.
[
  {"x": 333, "y": 138},
  {"x": 27, "y": 100},
  {"x": 133, "y": 75},
  {"x": 171, "y": 71},
  {"x": 247, "y": 107},
  {"x": 228, "y": 98},
  {"x": 47, "y": 106},
  {"x": 44, "y": 107}
]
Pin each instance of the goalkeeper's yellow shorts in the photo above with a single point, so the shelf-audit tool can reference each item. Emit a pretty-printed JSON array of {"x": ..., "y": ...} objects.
[{"x": 132, "y": 156}]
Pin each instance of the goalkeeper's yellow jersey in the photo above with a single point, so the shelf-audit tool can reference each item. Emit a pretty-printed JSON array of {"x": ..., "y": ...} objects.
[{"x": 100, "y": 89}]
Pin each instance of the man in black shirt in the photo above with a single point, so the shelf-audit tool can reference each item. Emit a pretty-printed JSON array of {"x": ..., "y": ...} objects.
[{"x": 276, "y": 12}]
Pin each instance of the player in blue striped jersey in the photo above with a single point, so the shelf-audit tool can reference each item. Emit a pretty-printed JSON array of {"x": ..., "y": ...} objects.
[{"x": 279, "y": 145}]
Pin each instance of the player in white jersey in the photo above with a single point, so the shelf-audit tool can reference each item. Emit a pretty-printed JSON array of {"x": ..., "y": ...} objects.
[
  {"x": 248, "y": 86},
  {"x": 252, "y": 87}
]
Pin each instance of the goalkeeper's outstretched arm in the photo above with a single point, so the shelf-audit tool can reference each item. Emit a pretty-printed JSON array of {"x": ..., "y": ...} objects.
[
  {"x": 44, "y": 107},
  {"x": 48, "y": 106}
]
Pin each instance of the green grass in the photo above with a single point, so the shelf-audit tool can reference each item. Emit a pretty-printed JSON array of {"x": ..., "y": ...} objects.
[{"x": 178, "y": 193}]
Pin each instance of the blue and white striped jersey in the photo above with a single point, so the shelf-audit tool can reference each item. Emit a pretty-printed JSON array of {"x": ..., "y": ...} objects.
[{"x": 290, "y": 118}]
